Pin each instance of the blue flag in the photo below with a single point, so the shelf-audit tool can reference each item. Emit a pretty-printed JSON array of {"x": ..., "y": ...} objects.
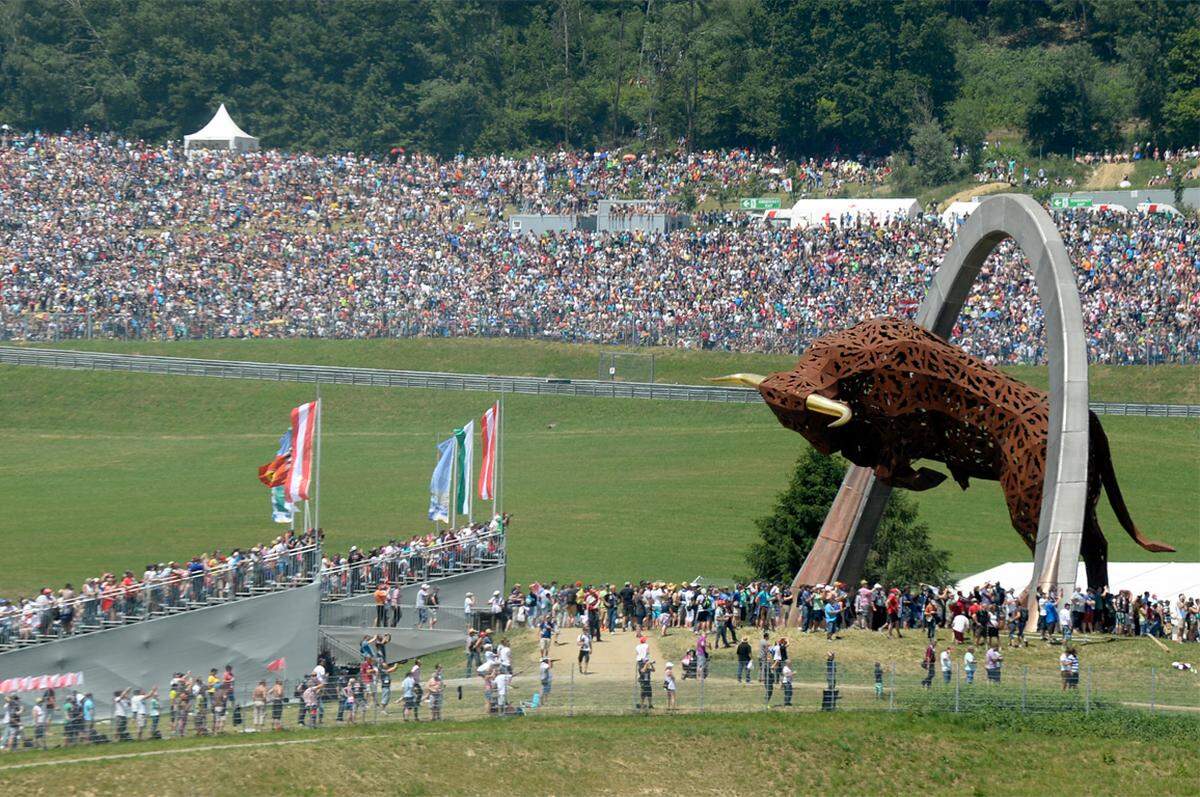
[
  {"x": 439, "y": 484},
  {"x": 285, "y": 444}
]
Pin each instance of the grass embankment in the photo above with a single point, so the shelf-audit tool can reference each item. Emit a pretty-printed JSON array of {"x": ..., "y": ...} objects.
[
  {"x": 1161, "y": 384},
  {"x": 776, "y": 753},
  {"x": 107, "y": 471}
]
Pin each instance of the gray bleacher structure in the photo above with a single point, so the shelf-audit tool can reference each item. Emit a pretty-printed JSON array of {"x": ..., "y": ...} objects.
[
  {"x": 607, "y": 218},
  {"x": 292, "y": 618}
]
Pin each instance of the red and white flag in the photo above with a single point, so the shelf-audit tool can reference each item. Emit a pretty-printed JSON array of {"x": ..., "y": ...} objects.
[
  {"x": 304, "y": 421},
  {"x": 39, "y": 683},
  {"x": 277, "y": 665},
  {"x": 487, "y": 470}
]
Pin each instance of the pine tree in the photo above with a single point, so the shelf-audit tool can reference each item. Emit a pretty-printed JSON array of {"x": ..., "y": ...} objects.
[
  {"x": 902, "y": 554},
  {"x": 788, "y": 533}
]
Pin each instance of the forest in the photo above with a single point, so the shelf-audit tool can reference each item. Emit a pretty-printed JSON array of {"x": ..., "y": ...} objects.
[{"x": 809, "y": 77}]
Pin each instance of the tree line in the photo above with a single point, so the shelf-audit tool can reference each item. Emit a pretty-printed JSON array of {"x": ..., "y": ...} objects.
[{"x": 807, "y": 76}]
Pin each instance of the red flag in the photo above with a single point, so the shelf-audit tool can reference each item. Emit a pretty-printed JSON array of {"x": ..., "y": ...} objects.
[
  {"x": 487, "y": 471},
  {"x": 277, "y": 665},
  {"x": 275, "y": 473},
  {"x": 304, "y": 418}
]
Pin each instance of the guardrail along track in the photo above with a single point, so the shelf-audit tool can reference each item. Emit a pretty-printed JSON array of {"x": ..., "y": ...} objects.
[{"x": 433, "y": 380}]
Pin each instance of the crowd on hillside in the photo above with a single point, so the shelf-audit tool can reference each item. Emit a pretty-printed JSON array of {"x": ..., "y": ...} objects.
[{"x": 132, "y": 239}]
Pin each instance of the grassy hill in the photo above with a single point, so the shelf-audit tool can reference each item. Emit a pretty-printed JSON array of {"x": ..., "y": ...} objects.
[
  {"x": 106, "y": 471},
  {"x": 725, "y": 754}
]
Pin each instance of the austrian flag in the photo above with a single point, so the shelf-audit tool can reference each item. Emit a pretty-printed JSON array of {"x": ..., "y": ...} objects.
[{"x": 304, "y": 420}]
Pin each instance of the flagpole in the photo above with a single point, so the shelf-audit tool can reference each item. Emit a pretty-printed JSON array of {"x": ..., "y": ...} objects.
[
  {"x": 454, "y": 483},
  {"x": 317, "y": 494},
  {"x": 499, "y": 503}
]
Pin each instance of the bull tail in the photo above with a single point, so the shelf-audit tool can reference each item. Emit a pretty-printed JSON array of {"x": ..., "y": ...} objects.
[{"x": 1108, "y": 478}]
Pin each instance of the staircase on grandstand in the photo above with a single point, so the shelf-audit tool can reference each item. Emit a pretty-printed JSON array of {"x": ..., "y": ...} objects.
[{"x": 118, "y": 605}]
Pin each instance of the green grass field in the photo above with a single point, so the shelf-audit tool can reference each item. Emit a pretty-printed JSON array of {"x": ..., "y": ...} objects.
[
  {"x": 715, "y": 754},
  {"x": 106, "y": 471}
]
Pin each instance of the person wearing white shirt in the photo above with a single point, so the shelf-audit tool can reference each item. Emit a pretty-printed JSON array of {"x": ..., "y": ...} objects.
[
  {"x": 785, "y": 679},
  {"x": 641, "y": 653},
  {"x": 969, "y": 665},
  {"x": 947, "y": 664},
  {"x": 504, "y": 654},
  {"x": 503, "y": 681}
]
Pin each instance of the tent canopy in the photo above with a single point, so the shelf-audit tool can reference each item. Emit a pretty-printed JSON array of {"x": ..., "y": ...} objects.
[
  {"x": 221, "y": 132},
  {"x": 1164, "y": 579},
  {"x": 822, "y": 212}
]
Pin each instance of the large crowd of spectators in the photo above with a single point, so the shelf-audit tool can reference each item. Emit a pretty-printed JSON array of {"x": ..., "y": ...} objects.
[{"x": 135, "y": 239}]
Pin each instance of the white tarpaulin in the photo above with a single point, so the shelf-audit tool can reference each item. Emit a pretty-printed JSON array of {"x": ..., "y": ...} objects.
[
  {"x": 1164, "y": 579},
  {"x": 956, "y": 212},
  {"x": 221, "y": 132},
  {"x": 835, "y": 212}
]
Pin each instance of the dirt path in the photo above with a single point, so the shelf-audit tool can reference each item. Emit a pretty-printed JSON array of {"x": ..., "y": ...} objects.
[
  {"x": 612, "y": 657},
  {"x": 967, "y": 194},
  {"x": 1109, "y": 175}
]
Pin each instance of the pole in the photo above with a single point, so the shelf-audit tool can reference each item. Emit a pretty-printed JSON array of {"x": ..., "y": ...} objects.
[
  {"x": 1087, "y": 695},
  {"x": 499, "y": 504},
  {"x": 317, "y": 493},
  {"x": 1153, "y": 687},
  {"x": 454, "y": 484},
  {"x": 1024, "y": 686}
]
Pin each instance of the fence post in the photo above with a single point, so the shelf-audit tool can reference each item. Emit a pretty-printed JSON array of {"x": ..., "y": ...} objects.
[
  {"x": 702, "y": 680},
  {"x": 892, "y": 691},
  {"x": 956, "y": 689},
  {"x": 1087, "y": 695},
  {"x": 1153, "y": 686},
  {"x": 571, "y": 693},
  {"x": 1024, "y": 686}
]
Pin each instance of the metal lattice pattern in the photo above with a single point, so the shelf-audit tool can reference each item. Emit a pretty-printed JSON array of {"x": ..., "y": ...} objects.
[{"x": 914, "y": 396}]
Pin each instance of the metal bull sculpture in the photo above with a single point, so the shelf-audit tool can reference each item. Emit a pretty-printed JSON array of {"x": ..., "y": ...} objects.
[{"x": 886, "y": 393}]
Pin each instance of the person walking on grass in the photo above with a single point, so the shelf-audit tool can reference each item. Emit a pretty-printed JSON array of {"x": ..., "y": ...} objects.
[
  {"x": 669, "y": 685},
  {"x": 645, "y": 693},
  {"x": 585, "y": 651},
  {"x": 546, "y": 676},
  {"x": 928, "y": 663},
  {"x": 992, "y": 661},
  {"x": 785, "y": 680},
  {"x": 743, "y": 660},
  {"x": 969, "y": 665}
]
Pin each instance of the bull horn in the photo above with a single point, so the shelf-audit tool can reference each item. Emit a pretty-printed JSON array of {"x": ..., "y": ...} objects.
[
  {"x": 827, "y": 406},
  {"x": 749, "y": 380}
]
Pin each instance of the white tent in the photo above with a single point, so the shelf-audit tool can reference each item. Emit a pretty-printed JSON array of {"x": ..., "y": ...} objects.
[
  {"x": 221, "y": 132},
  {"x": 1164, "y": 579},
  {"x": 835, "y": 212},
  {"x": 956, "y": 212}
]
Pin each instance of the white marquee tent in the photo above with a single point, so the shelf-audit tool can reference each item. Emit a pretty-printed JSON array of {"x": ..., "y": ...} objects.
[
  {"x": 221, "y": 132},
  {"x": 1164, "y": 579},
  {"x": 957, "y": 212},
  {"x": 835, "y": 212}
]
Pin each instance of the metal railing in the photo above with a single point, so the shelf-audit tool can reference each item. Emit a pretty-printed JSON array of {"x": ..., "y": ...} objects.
[
  {"x": 431, "y": 380},
  {"x": 395, "y": 617},
  {"x": 415, "y": 566},
  {"x": 114, "y": 604}
]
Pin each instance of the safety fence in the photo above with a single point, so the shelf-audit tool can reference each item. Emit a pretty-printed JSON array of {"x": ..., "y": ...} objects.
[
  {"x": 724, "y": 686},
  {"x": 385, "y": 618},
  {"x": 429, "y": 380},
  {"x": 446, "y": 560}
]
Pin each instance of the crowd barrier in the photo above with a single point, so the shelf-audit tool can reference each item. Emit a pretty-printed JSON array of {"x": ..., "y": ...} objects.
[
  {"x": 429, "y": 380},
  {"x": 722, "y": 687}
]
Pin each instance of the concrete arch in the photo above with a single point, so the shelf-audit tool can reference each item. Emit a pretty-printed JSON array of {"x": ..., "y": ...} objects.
[{"x": 851, "y": 525}]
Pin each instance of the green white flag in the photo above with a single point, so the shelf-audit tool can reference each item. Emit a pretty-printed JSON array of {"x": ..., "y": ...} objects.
[
  {"x": 281, "y": 510},
  {"x": 465, "y": 452}
]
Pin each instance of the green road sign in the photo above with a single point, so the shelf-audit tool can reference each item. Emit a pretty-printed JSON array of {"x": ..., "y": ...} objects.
[
  {"x": 760, "y": 203},
  {"x": 1058, "y": 202},
  {"x": 1079, "y": 202}
]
